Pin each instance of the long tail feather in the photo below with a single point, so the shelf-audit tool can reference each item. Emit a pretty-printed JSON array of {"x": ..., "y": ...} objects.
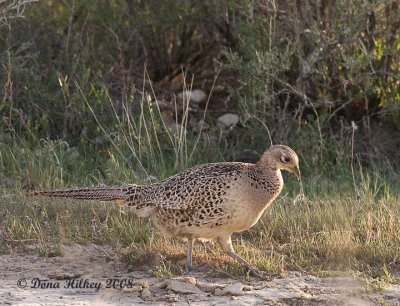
[{"x": 91, "y": 193}]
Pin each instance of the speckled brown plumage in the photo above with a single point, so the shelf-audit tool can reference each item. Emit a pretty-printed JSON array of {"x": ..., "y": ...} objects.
[{"x": 207, "y": 201}]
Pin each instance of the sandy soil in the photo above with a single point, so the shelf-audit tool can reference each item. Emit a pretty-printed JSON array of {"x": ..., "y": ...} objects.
[{"x": 93, "y": 275}]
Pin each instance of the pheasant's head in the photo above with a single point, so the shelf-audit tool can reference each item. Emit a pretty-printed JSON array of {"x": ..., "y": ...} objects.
[{"x": 282, "y": 157}]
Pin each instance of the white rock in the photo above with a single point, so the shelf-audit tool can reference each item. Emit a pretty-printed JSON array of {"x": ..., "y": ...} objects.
[
  {"x": 181, "y": 287},
  {"x": 228, "y": 120},
  {"x": 195, "y": 96}
]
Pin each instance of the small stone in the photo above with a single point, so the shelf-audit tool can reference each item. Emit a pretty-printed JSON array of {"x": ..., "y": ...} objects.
[
  {"x": 196, "y": 96},
  {"x": 191, "y": 280},
  {"x": 181, "y": 287},
  {"x": 209, "y": 287},
  {"x": 146, "y": 294},
  {"x": 236, "y": 289},
  {"x": 247, "y": 288},
  {"x": 228, "y": 120}
]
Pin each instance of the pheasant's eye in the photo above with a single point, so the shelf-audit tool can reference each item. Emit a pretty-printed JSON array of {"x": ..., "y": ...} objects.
[{"x": 285, "y": 159}]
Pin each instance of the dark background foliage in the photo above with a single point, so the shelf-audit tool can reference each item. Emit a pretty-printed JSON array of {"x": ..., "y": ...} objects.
[{"x": 306, "y": 69}]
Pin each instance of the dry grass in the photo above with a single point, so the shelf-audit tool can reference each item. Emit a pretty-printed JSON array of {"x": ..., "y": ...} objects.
[{"x": 322, "y": 234}]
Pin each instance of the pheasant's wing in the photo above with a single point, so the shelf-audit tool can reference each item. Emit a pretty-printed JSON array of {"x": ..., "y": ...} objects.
[{"x": 190, "y": 188}]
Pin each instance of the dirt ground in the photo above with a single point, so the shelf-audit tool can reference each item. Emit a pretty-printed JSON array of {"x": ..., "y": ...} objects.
[{"x": 93, "y": 275}]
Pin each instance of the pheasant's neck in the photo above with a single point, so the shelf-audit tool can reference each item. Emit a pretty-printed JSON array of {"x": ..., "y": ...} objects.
[
  {"x": 267, "y": 174},
  {"x": 266, "y": 164}
]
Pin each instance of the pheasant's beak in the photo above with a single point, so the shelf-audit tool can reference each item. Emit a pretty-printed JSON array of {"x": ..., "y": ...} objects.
[{"x": 296, "y": 171}]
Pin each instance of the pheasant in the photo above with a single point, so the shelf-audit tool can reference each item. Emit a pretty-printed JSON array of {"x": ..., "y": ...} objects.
[{"x": 209, "y": 201}]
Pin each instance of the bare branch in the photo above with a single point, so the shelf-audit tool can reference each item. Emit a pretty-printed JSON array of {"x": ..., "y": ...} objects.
[{"x": 11, "y": 9}]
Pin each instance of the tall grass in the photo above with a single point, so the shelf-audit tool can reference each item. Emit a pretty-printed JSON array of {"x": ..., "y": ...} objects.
[{"x": 136, "y": 143}]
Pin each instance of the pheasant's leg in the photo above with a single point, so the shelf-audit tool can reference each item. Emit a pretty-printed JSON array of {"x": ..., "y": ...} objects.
[
  {"x": 205, "y": 248},
  {"x": 226, "y": 244},
  {"x": 188, "y": 265}
]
